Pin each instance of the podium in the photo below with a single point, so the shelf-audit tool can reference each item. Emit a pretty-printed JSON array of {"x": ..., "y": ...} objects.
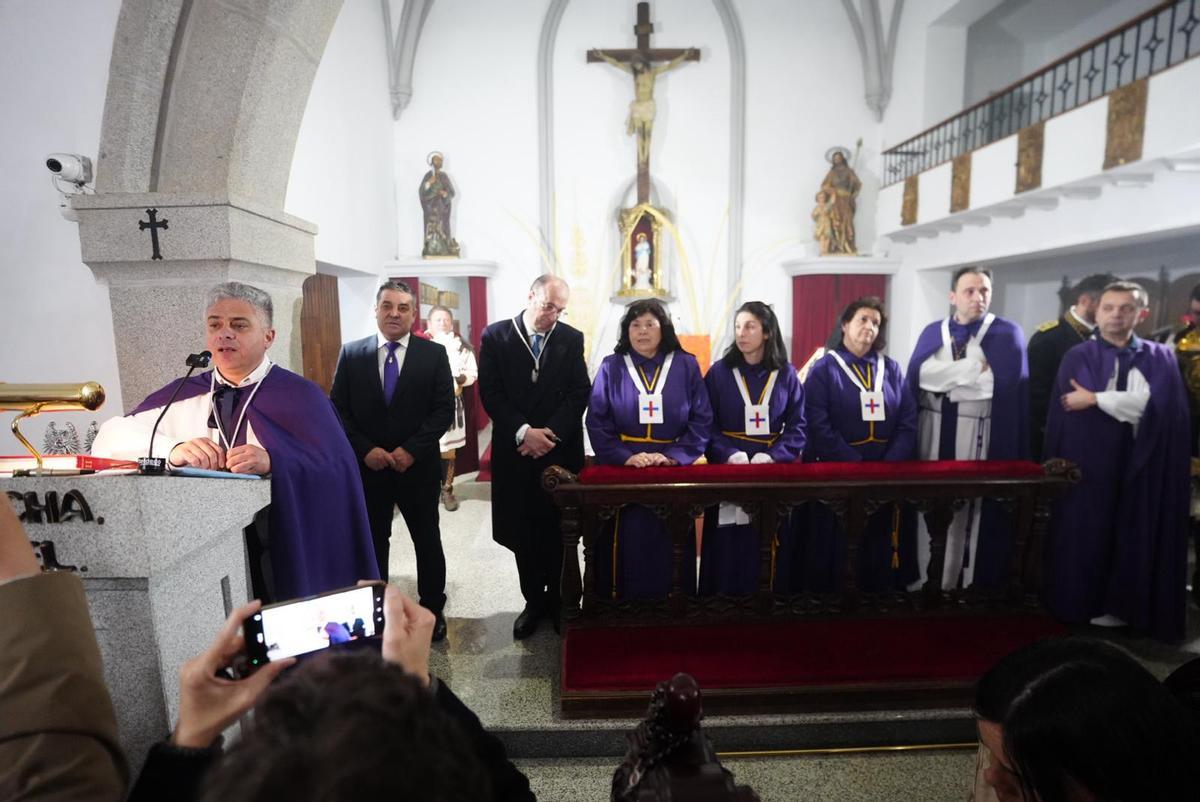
[{"x": 162, "y": 560}]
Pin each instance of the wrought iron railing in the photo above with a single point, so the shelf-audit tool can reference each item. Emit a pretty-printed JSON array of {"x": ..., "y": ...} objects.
[{"x": 1160, "y": 38}]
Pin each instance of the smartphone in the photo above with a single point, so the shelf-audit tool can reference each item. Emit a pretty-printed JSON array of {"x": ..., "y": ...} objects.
[{"x": 304, "y": 626}]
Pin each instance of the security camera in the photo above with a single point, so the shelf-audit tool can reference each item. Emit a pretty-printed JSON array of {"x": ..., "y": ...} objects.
[{"x": 70, "y": 167}]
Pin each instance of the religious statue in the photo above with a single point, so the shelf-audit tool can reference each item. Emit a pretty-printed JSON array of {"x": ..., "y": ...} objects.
[
  {"x": 822, "y": 215},
  {"x": 843, "y": 186},
  {"x": 641, "y": 263},
  {"x": 641, "y": 109},
  {"x": 436, "y": 193}
]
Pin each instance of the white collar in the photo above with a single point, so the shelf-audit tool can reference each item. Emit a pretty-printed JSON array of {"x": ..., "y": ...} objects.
[
  {"x": 255, "y": 375},
  {"x": 1081, "y": 321},
  {"x": 381, "y": 341}
]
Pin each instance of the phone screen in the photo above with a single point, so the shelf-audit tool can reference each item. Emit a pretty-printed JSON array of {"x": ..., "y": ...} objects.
[{"x": 308, "y": 625}]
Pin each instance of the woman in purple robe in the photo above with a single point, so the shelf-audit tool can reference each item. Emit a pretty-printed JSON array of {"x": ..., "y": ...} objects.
[
  {"x": 857, "y": 409},
  {"x": 758, "y": 417},
  {"x": 648, "y": 407}
]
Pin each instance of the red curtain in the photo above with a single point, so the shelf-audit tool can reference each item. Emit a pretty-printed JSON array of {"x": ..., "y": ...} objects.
[
  {"x": 817, "y": 300},
  {"x": 477, "y": 286}
]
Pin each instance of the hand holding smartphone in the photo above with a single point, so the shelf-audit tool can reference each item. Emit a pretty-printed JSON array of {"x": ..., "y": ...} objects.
[{"x": 311, "y": 624}]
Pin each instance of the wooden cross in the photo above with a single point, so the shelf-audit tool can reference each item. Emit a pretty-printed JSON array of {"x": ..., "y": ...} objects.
[
  {"x": 154, "y": 225},
  {"x": 639, "y": 62}
]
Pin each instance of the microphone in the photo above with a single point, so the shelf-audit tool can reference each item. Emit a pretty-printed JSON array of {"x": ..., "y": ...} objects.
[{"x": 151, "y": 465}]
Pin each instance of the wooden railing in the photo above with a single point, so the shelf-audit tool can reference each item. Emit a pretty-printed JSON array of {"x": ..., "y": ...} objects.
[
  {"x": 1160, "y": 38},
  {"x": 679, "y": 496}
]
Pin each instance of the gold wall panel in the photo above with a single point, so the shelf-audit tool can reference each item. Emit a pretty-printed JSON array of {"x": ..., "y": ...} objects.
[
  {"x": 908, "y": 210},
  {"x": 1126, "y": 124},
  {"x": 1031, "y": 142},
  {"x": 960, "y": 183}
]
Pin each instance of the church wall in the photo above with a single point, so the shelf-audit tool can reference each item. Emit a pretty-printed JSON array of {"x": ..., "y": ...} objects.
[
  {"x": 54, "y": 58},
  {"x": 342, "y": 174},
  {"x": 475, "y": 100}
]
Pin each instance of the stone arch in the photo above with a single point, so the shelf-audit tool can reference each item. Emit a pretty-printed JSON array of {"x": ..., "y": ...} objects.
[{"x": 202, "y": 113}]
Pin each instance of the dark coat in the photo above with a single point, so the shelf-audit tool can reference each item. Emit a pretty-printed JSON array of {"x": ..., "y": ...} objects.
[
  {"x": 1047, "y": 347},
  {"x": 421, "y": 409},
  {"x": 512, "y": 398}
]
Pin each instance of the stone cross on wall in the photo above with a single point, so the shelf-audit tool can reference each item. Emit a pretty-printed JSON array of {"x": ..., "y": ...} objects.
[{"x": 639, "y": 63}]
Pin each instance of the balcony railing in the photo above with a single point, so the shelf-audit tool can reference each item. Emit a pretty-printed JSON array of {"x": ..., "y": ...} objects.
[{"x": 1160, "y": 38}]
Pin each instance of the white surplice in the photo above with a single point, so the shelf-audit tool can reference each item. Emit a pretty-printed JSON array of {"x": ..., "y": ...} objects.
[
  {"x": 128, "y": 437},
  {"x": 965, "y": 382}
]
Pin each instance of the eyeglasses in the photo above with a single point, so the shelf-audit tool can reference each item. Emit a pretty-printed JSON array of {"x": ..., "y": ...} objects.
[{"x": 549, "y": 308}]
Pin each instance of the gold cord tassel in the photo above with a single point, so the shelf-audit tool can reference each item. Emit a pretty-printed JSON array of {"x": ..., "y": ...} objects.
[{"x": 895, "y": 536}]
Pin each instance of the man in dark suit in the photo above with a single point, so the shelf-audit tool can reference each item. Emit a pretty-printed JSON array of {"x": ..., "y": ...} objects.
[
  {"x": 533, "y": 381},
  {"x": 396, "y": 398},
  {"x": 1051, "y": 342}
]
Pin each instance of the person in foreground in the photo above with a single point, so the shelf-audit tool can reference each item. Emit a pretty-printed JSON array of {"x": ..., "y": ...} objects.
[
  {"x": 342, "y": 726},
  {"x": 758, "y": 417},
  {"x": 1079, "y": 720},
  {"x": 58, "y": 731},
  {"x": 533, "y": 381},
  {"x": 858, "y": 410},
  {"x": 250, "y": 416},
  {"x": 1117, "y": 551},
  {"x": 649, "y": 407}
]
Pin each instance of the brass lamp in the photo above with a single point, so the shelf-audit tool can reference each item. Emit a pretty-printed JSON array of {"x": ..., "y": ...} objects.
[{"x": 30, "y": 399}]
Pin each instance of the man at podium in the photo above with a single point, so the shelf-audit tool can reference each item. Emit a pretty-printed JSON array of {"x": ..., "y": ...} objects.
[{"x": 250, "y": 416}]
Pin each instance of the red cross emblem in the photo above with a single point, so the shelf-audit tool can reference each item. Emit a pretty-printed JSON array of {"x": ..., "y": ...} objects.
[
  {"x": 649, "y": 409},
  {"x": 757, "y": 419},
  {"x": 872, "y": 405}
]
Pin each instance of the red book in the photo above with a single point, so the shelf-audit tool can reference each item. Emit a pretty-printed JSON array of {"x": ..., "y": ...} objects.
[{"x": 63, "y": 462}]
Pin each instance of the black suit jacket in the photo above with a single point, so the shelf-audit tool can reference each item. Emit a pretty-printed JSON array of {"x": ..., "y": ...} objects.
[
  {"x": 1047, "y": 347},
  {"x": 512, "y": 398},
  {"x": 421, "y": 409}
]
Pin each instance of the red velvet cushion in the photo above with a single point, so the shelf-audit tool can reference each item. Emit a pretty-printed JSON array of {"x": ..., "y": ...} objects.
[{"x": 812, "y": 472}]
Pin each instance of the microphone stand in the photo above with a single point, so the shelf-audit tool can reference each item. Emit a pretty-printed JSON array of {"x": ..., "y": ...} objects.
[{"x": 151, "y": 465}]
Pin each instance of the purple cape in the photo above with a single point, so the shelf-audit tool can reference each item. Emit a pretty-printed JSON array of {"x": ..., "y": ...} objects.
[
  {"x": 731, "y": 561},
  {"x": 319, "y": 536},
  {"x": 643, "y": 567},
  {"x": 1118, "y": 542},
  {"x": 835, "y": 419},
  {"x": 813, "y": 559},
  {"x": 1004, "y": 348}
]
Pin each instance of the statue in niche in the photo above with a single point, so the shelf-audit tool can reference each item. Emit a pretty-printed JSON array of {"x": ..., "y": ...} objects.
[
  {"x": 642, "y": 274},
  {"x": 843, "y": 186},
  {"x": 822, "y": 215},
  {"x": 436, "y": 194}
]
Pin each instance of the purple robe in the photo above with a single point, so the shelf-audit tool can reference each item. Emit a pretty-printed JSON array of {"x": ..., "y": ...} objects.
[
  {"x": 643, "y": 545},
  {"x": 730, "y": 561},
  {"x": 837, "y": 433},
  {"x": 1004, "y": 348},
  {"x": 319, "y": 536},
  {"x": 1118, "y": 539}
]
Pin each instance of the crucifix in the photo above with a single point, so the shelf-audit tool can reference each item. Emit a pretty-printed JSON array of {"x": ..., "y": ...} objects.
[
  {"x": 639, "y": 63},
  {"x": 154, "y": 225}
]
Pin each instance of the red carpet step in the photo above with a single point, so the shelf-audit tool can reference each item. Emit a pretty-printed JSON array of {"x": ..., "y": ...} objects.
[{"x": 795, "y": 665}]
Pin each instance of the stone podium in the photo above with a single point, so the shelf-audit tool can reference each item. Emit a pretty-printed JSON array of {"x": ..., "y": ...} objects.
[{"x": 162, "y": 560}]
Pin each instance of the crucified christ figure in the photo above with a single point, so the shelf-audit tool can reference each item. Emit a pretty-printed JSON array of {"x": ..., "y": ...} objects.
[{"x": 641, "y": 110}]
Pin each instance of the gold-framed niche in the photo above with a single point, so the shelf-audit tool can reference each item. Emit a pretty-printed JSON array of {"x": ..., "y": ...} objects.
[{"x": 643, "y": 222}]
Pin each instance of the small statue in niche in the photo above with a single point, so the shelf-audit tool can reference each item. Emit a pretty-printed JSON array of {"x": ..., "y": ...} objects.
[
  {"x": 822, "y": 215},
  {"x": 436, "y": 193},
  {"x": 843, "y": 186},
  {"x": 642, "y": 275}
]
